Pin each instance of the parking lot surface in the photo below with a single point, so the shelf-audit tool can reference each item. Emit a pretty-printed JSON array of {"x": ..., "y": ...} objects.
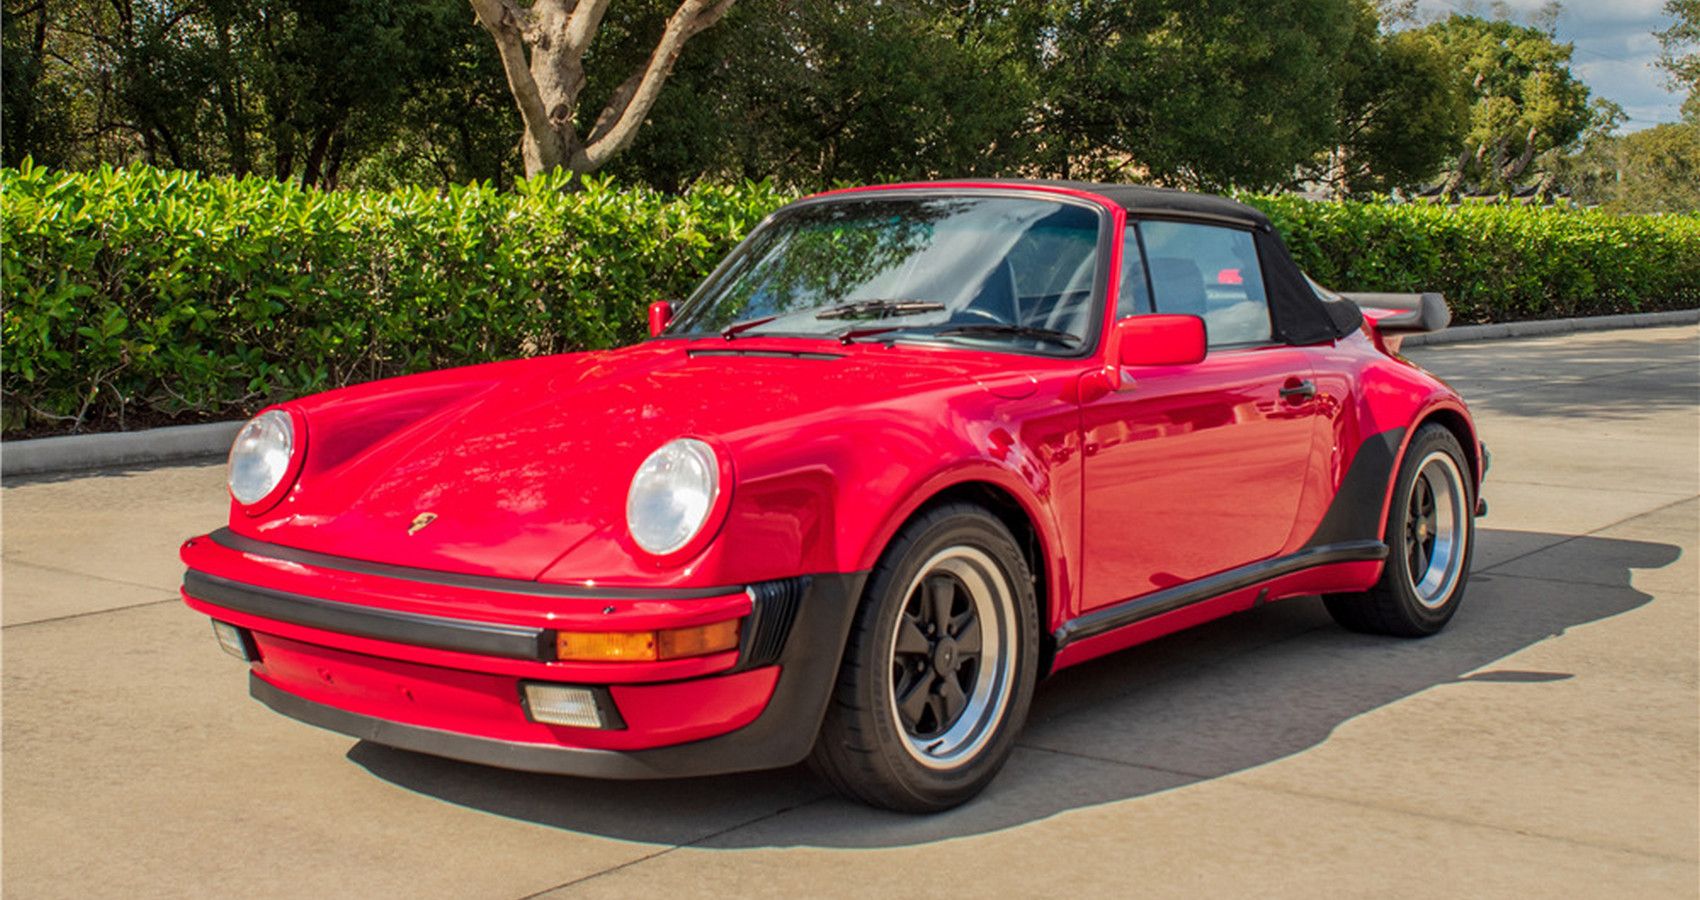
[{"x": 1546, "y": 744}]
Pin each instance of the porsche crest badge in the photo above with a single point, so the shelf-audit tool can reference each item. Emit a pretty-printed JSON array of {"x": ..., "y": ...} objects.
[{"x": 420, "y": 521}]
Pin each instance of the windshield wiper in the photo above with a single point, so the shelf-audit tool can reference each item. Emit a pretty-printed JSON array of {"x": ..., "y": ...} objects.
[
  {"x": 736, "y": 328},
  {"x": 879, "y": 309},
  {"x": 1026, "y": 331},
  {"x": 855, "y": 334}
]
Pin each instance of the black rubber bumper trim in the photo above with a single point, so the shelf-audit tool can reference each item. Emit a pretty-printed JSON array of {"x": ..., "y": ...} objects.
[
  {"x": 463, "y": 635},
  {"x": 781, "y": 736},
  {"x": 1155, "y": 604},
  {"x": 230, "y": 540}
]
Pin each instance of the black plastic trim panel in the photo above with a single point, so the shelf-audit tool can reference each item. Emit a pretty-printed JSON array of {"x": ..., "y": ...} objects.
[
  {"x": 463, "y": 635},
  {"x": 1170, "y": 599},
  {"x": 1355, "y": 512},
  {"x": 773, "y": 610},
  {"x": 773, "y": 354}
]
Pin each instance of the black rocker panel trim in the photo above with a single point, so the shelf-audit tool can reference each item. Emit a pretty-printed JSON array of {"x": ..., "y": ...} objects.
[
  {"x": 224, "y": 537},
  {"x": 463, "y": 635},
  {"x": 1355, "y": 513},
  {"x": 1139, "y": 609}
]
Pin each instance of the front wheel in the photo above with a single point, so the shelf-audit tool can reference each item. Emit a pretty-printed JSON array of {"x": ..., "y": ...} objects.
[
  {"x": 940, "y": 669},
  {"x": 1431, "y": 533}
]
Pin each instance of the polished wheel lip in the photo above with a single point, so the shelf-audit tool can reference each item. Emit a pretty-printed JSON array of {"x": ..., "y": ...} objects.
[
  {"x": 1437, "y": 530},
  {"x": 992, "y": 602}
]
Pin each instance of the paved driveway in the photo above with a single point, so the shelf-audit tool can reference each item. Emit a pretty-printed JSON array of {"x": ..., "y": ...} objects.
[{"x": 1546, "y": 744}]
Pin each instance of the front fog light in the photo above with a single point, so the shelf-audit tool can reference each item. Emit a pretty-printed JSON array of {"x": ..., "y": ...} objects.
[
  {"x": 560, "y": 704},
  {"x": 234, "y": 641}
]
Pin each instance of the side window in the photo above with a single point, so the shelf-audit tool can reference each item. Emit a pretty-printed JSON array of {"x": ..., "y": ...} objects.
[
  {"x": 1133, "y": 297},
  {"x": 1205, "y": 270}
]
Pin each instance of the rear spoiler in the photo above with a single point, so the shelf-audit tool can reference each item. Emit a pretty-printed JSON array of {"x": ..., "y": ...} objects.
[{"x": 1403, "y": 313}]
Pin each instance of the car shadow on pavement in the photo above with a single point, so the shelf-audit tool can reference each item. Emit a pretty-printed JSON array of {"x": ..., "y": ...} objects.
[{"x": 1220, "y": 699}]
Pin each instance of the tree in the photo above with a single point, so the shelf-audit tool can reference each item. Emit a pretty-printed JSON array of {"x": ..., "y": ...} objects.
[
  {"x": 1591, "y": 172},
  {"x": 543, "y": 48},
  {"x": 815, "y": 92},
  {"x": 1526, "y": 101},
  {"x": 1680, "y": 52},
  {"x": 1402, "y": 115},
  {"x": 37, "y": 106},
  {"x": 1200, "y": 94},
  {"x": 454, "y": 123},
  {"x": 1660, "y": 169},
  {"x": 291, "y": 88},
  {"x": 1655, "y": 170}
]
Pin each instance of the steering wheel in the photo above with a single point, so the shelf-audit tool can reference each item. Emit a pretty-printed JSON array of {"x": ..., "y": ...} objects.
[{"x": 996, "y": 294}]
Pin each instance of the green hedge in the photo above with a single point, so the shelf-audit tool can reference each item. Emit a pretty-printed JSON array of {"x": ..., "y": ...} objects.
[
  {"x": 1498, "y": 263},
  {"x": 139, "y": 296}
]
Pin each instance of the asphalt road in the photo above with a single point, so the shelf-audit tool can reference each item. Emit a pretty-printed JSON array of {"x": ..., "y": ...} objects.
[{"x": 1548, "y": 743}]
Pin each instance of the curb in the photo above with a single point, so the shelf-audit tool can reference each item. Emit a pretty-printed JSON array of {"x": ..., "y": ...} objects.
[
  {"x": 78, "y": 452},
  {"x": 1536, "y": 327},
  {"x": 122, "y": 448}
]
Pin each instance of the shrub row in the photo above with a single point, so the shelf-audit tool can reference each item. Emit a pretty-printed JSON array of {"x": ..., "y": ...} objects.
[
  {"x": 141, "y": 296},
  {"x": 1498, "y": 263}
]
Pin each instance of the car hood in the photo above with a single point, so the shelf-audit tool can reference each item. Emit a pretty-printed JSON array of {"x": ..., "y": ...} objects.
[{"x": 518, "y": 463}]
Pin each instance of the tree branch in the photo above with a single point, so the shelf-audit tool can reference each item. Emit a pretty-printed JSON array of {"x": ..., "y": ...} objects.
[
  {"x": 581, "y": 26},
  {"x": 506, "y": 22},
  {"x": 632, "y": 100}
]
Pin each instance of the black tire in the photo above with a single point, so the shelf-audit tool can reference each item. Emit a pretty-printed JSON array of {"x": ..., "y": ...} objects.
[
  {"x": 867, "y": 750},
  {"x": 1396, "y": 605}
]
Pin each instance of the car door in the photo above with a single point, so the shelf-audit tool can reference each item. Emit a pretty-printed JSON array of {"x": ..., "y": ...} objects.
[{"x": 1194, "y": 470}]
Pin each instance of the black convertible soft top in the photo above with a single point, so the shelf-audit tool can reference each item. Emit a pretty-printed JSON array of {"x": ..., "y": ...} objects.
[
  {"x": 1300, "y": 314},
  {"x": 1139, "y": 198}
]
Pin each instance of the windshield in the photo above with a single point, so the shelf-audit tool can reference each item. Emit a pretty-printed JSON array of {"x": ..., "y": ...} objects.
[{"x": 1013, "y": 272}]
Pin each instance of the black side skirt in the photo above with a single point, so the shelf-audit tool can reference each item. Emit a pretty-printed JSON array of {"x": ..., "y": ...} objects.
[{"x": 1170, "y": 599}]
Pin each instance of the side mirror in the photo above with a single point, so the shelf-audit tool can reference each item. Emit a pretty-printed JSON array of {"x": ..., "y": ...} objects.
[
  {"x": 1159, "y": 340},
  {"x": 660, "y": 316}
]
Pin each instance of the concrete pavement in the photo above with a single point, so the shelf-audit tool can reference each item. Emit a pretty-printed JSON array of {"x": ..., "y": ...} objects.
[{"x": 1548, "y": 743}]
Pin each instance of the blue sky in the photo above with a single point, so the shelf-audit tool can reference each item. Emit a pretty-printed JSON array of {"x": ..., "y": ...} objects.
[{"x": 1615, "y": 50}]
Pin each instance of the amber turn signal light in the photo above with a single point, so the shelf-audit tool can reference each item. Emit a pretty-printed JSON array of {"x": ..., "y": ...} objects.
[{"x": 646, "y": 646}]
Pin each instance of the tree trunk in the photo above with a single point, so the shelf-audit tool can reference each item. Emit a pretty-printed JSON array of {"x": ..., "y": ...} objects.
[
  {"x": 316, "y": 157},
  {"x": 542, "y": 49},
  {"x": 235, "y": 125},
  {"x": 23, "y": 127},
  {"x": 1455, "y": 178},
  {"x": 333, "y": 165},
  {"x": 1511, "y": 171}
]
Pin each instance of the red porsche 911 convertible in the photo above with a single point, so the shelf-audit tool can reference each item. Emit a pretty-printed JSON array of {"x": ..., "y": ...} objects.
[{"x": 908, "y": 450}]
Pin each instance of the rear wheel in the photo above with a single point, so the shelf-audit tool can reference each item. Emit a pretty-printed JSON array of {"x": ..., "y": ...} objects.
[
  {"x": 940, "y": 669},
  {"x": 1430, "y": 536}
]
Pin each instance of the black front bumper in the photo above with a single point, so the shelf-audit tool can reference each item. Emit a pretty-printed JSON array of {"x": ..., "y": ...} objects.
[{"x": 781, "y": 736}]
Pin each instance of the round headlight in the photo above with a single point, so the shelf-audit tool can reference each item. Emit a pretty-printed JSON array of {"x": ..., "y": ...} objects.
[
  {"x": 671, "y": 495},
  {"x": 260, "y": 457}
]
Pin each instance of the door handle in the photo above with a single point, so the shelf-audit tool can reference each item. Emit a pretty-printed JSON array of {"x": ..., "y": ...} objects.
[{"x": 1298, "y": 391}]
